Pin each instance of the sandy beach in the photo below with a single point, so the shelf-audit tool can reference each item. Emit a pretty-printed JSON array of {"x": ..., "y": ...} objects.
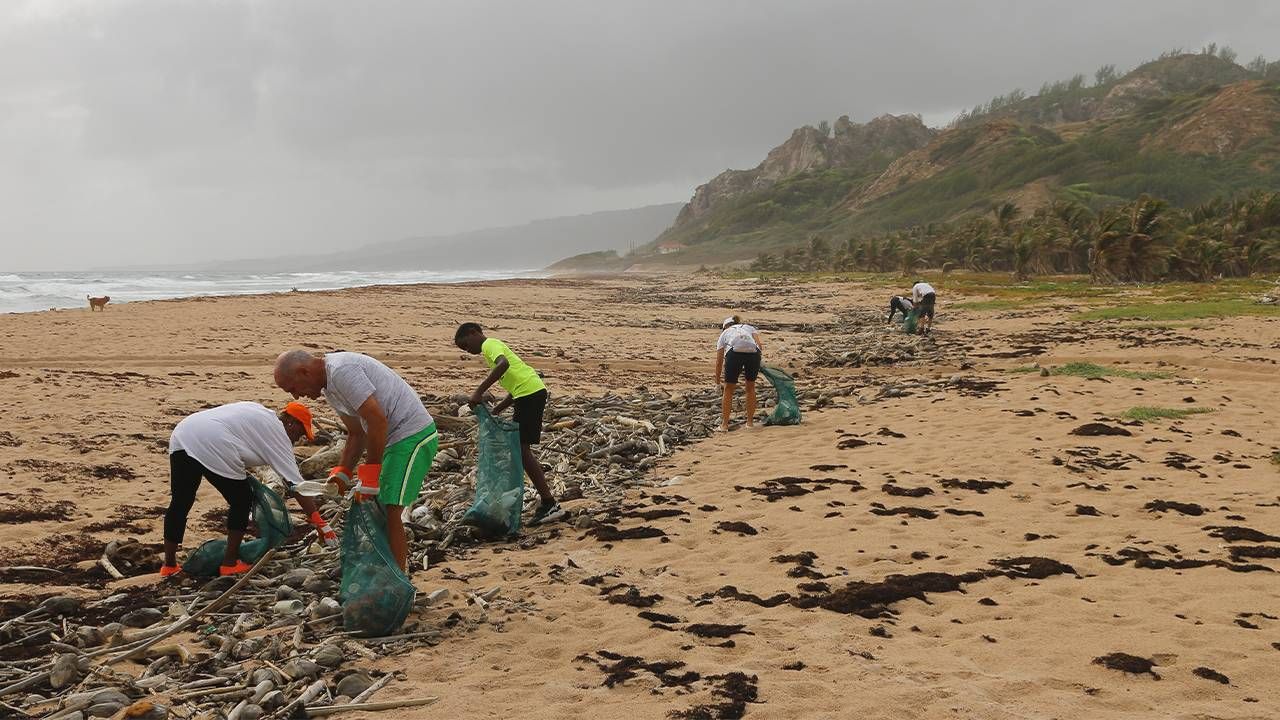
[{"x": 951, "y": 534}]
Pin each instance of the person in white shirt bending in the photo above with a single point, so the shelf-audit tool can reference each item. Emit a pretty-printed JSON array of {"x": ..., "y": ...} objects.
[
  {"x": 923, "y": 295},
  {"x": 737, "y": 353},
  {"x": 219, "y": 445}
]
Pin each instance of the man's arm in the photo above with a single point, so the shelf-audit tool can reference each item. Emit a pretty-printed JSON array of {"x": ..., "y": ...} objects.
[
  {"x": 353, "y": 448},
  {"x": 756, "y": 336},
  {"x": 506, "y": 403},
  {"x": 719, "y": 366},
  {"x": 375, "y": 439},
  {"x": 500, "y": 367}
]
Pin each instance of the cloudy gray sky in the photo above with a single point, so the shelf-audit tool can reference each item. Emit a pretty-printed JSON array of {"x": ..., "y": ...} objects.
[{"x": 155, "y": 131}]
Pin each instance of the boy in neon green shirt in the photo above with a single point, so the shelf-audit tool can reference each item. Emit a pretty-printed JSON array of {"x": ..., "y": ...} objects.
[{"x": 527, "y": 393}]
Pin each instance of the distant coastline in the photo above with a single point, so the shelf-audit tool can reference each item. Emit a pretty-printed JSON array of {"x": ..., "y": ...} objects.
[{"x": 22, "y": 292}]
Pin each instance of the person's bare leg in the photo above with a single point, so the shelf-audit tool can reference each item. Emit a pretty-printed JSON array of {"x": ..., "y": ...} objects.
[
  {"x": 396, "y": 537},
  {"x": 232, "y": 555},
  {"x": 751, "y": 403},
  {"x": 170, "y": 553},
  {"x": 726, "y": 405},
  {"x": 533, "y": 469}
]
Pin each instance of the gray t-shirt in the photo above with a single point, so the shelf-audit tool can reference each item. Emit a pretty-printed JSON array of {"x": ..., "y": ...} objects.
[{"x": 351, "y": 378}]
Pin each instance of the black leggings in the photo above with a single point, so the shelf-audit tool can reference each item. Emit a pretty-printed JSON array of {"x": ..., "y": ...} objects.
[
  {"x": 184, "y": 479},
  {"x": 897, "y": 305}
]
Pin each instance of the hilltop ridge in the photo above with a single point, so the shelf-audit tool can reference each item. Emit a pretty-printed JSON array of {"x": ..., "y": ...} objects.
[{"x": 1186, "y": 127}]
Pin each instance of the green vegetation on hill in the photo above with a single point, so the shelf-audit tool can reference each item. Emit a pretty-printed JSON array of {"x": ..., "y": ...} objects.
[
  {"x": 1153, "y": 175},
  {"x": 602, "y": 261}
]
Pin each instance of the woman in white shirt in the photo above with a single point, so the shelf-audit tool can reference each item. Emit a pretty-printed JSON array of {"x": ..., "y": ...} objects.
[{"x": 737, "y": 354}]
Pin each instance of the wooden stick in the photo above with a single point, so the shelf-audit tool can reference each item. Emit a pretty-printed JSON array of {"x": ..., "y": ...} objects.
[
  {"x": 184, "y": 622},
  {"x": 29, "y": 568},
  {"x": 105, "y": 562},
  {"x": 311, "y": 693},
  {"x": 375, "y": 687},
  {"x": 367, "y": 707}
]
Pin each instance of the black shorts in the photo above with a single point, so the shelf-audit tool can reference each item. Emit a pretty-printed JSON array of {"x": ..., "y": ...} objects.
[
  {"x": 735, "y": 363},
  {"x": 927, "y": 303},
  {"x": 528, "y": 415}
]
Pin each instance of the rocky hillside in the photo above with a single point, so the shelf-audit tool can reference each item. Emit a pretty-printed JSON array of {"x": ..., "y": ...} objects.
[
  {"x": 847, "y": 145},
  {"x": 1186, "y": 127}
]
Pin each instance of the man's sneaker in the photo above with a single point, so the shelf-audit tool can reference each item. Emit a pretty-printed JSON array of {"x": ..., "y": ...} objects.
[
  {"x": 169, "y": 570},
  {"x": 240, "y": 567},
  {"x": 547, "y": 512}
]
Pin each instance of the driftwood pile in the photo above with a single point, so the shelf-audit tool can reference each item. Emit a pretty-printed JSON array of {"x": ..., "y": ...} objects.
[
  {"x": 269, "y": 644},
  {"x": 864, "y": 339}
]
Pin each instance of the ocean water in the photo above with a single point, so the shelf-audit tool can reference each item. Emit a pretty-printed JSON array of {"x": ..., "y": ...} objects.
[{"x": 30, "y": 291}]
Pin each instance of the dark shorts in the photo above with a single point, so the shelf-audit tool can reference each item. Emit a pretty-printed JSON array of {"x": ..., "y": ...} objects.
[
  {"x": 927, "y": 303},
  {"x": 528, "y": 415},
  {"x": 736, "y": 363}
]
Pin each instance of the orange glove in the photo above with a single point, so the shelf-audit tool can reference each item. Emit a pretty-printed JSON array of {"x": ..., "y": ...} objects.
[
  {"x": 341, "y": 475},
  {"x": 368, "y": 474},
  {"x": 327, "y": 535}
]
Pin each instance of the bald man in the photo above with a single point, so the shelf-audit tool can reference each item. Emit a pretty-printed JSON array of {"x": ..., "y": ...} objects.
[{"x": 386, "y": 423}]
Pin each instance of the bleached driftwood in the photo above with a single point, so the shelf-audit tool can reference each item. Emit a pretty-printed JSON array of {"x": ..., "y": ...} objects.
[{"x": 369, "y": 707}]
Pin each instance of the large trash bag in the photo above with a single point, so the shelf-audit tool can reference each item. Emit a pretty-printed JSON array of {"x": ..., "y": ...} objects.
[
  {"x": 274, "y": 526},
  {"x": 376, "y": 596},
  {"x": 499, "y": 478},
  {"x": 787, "y": 411},
  {"x": 909, "y": 324}
]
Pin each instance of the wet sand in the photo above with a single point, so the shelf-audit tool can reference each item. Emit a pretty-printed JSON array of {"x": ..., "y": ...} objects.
[{"x": 948, "y": 539}]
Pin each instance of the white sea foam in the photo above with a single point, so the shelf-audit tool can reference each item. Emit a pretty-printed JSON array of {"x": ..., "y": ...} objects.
[{"x": 31, "y": 291}]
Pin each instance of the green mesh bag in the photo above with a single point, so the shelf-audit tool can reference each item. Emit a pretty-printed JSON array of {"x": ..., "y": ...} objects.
[
  {"x": 787, "y": 411},
  {"x": 274, "y": 526},
  {"x": 499, "y": 478},
  {"x": 909, "y": 324},
  {"x": 376, "y": 596}
]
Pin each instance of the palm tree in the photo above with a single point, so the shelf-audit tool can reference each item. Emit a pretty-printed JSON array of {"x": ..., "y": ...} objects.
[
  {"x": 1020, "y": 251},
  {"x": 1005, "y": 214}
]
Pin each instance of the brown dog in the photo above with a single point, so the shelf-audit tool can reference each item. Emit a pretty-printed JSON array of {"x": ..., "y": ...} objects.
[{"x": 98, "y": 303}]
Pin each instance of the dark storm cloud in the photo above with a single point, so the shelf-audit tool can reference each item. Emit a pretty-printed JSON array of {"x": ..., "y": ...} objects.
[{"x": 170, "y": 130}]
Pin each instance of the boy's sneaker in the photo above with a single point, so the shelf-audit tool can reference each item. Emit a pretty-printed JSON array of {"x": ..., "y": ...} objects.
[
  {"x": 169, "y": 570},
  {"x": 547, "y": 512}
]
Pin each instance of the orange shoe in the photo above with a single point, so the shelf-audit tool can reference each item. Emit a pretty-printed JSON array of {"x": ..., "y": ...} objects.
[
  {"x": 240, "y": 567},
  {"x": 169, "y": 570}
]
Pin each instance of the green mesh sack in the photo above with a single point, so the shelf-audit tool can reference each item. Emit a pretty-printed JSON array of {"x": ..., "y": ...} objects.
[
  {"x": 376, "y": 596},
  {"x": 787, "y": 411},
  {"x": 499, "y": 478},
  {"x": 274, "y": 526},
  {"x": 909, "y": 324}
]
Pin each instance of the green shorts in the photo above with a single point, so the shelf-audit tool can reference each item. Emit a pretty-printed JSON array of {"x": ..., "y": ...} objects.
[{"x": 405, "y": 465}]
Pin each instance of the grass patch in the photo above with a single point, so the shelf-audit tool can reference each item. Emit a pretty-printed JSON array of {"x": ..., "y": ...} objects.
[
  {"x": 1161, "y": 413},
  {"x": 1091, "y": 370},
  {"x": 1182, "y": 311},
  {"x": 1000, "y": 304}
]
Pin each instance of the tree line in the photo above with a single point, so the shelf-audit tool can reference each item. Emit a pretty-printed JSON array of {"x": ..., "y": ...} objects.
[
  {"x": 1141, "y": 241},
  {"x": 1104, "y": 78}
]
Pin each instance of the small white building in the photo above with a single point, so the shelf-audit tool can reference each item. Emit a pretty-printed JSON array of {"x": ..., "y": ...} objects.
[{"x": 670, "y": 246}]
